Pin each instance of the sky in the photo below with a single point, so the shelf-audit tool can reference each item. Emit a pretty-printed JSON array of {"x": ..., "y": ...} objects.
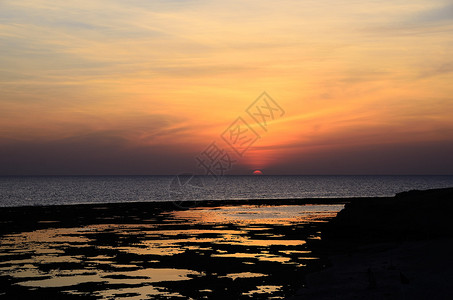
[{"x": 154, "y": 87}]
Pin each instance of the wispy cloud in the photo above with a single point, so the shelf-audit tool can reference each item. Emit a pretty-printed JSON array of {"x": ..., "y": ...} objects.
[{"x": 146, "y": 74}]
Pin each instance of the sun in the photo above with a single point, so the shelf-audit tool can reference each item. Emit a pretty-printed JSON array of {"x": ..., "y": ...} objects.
[{"x": 257, "y": 172}]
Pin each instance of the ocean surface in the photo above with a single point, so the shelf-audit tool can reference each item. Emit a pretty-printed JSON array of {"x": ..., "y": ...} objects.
[{"x": 55, "y": 190}]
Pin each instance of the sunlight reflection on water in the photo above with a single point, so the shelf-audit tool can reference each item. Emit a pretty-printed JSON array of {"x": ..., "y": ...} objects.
[{"x": 133, "y": 261}]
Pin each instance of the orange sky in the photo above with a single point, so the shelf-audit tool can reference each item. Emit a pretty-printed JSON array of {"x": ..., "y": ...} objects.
[{"x": 142, "y": 87}]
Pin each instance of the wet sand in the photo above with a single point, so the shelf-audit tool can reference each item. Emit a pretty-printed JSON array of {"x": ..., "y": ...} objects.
[{"x": 212, "y": 250}]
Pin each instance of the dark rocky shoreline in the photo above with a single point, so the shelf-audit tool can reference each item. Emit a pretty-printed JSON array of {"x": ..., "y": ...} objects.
[
  {"x": 388, "y": 248},
  {"x": 97, "y": 250},
  {"x": 408, "y": 216}
]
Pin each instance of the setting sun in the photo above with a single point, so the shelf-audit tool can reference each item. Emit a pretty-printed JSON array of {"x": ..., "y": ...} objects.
[{"x": 145, "y": 87}]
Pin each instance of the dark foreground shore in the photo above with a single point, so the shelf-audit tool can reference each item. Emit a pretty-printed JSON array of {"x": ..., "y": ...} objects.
[
  {"x": 132, "y": 251},
  {"x": 395, "y": 248},
  {"x": 375, "y": 248}
]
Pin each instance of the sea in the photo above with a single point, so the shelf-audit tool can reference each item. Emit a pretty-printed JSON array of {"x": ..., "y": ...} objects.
[{"x": 64, "y": 190}]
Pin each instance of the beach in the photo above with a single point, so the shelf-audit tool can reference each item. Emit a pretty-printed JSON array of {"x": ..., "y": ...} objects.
[
  {"x": 202, "y": 250},
  {"x": 397, "y": 248},
  {"x": 375, "y": 248}
]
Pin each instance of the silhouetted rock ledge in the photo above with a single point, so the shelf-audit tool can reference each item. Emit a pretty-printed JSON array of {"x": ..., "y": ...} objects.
[
  {"x": 387, "y": 248},
  {"x": 408, "y": 215}
]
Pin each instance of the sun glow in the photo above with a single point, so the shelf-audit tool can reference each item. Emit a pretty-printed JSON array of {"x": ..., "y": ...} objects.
[{"x": 158, "y": 81}]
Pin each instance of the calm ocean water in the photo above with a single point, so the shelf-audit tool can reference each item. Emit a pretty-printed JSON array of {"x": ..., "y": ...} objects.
[{"x": 54, "y": 190}]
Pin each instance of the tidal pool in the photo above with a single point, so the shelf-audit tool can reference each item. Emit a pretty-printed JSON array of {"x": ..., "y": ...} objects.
[{"x": 241, "y": 251}]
